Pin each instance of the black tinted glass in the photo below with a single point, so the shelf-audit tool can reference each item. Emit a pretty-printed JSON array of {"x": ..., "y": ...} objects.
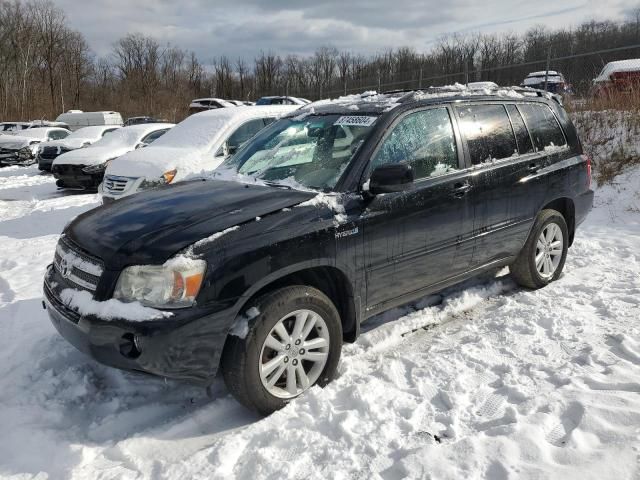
[
  {"x": 425, "y": 140},
  {"x": 543, "y": 126},
  {"x": 522, "y": 134},
  {"x": 488, "y": 132}
]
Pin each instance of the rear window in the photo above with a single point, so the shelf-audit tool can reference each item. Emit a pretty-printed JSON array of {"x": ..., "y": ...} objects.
[
  {"x": 488, "y": 132},
  {"x": 545, "y": 129}
]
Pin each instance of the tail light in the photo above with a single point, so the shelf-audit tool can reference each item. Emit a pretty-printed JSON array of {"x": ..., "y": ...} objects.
[{"x": 588, "y": 158}]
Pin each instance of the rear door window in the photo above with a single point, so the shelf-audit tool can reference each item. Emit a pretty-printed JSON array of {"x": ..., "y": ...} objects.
[
  {"x": 522, "y": 134},
  {"x": 423, "y": 139},
  {"x": 488, "y": 132},
  {"x": 545, "y": 129}
]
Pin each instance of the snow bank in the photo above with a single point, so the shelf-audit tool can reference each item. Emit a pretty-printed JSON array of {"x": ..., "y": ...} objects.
[
  {"x": 82, "y": 302},
  {"x": 484, "y": 380}
]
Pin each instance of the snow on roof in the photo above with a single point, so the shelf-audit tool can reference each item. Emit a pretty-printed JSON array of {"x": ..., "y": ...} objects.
[
  {"x": 91, "y": 132},
  {"x": 631, "y": 65},
  {"x": 129, "y": 135},
  {"x": 543, "y": 73},
  {"x": 384, "y": 102}
]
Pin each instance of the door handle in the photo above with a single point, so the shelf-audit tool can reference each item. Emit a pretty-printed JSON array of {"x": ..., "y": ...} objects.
[
  {"x": 533, "y": 168},
  {"x": 460, "y": 189}
]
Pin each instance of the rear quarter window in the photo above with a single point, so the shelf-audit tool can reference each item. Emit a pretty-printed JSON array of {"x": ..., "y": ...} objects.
[
  {"x": 488, "y": 132},
  {"x": 543, "y": 126}
]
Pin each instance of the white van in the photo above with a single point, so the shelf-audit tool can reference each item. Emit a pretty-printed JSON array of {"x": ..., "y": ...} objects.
[
  {"x": 77, "y": 119},
  {"x": 198, "y": 144}
]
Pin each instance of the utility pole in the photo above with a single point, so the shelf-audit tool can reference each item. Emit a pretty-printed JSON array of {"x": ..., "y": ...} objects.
[
  {"x": 466, "y": 72},
  {"x": 546, "y": 73}
]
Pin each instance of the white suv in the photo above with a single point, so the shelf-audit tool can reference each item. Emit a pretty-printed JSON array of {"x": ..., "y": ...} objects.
[{"x": 196, "y": 145}]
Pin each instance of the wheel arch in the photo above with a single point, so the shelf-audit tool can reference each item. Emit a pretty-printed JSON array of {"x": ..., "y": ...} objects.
[
  {"x": 566, "y": 207},
  {"x": 330, "y": 280}
]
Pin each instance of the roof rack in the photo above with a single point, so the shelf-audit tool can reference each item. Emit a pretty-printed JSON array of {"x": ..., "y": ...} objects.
[{"x": 527, "y": 91}]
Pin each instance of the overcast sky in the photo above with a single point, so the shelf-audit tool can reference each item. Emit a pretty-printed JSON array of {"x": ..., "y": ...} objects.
[{"x": 244, "y": 27}]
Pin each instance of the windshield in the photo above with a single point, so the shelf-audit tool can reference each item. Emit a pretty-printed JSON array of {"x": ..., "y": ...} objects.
[
  {"x": 123, "y": 137},
  {"x": 313, "y": 151}
]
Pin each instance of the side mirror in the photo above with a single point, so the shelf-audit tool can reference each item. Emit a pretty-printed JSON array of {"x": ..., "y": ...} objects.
[
  {"x": 390, "y": 178},
  {"x": 141, "y": 145}
]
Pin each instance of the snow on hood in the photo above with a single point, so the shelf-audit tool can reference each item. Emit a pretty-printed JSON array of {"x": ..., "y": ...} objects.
[
  {"x": 14, "y": 142},
  {"x": 68, "y": 143},
  {"x": 90, "y": 156},
  {"x": 153, "y": 161},
  {"x": 80, "y": 138},
  {"x": 190, "y": 146}
]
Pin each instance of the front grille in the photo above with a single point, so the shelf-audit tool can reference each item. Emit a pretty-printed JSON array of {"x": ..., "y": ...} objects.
[
  {"x": 76, "y": 266},
  {"x": 7, "y": 150},
  {"x": 69, "y": 170},
  {"x": 115, "y": 185},
  {"x": 51, "y": 153}
]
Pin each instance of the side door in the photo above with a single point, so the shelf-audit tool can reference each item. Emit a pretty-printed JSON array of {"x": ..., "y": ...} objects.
[
  {"x": 410, "y": 238},
  {"x": 239, "y": 136},
  {"x": 507, "y": 184}
]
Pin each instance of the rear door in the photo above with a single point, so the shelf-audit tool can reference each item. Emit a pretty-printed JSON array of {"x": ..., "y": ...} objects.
[
  {"x": 411, "y": 238},
  {"x": 508, "y": 188}
]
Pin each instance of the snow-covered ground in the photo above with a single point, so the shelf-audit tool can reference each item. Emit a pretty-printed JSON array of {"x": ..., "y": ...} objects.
[{"x": 485, "y": 381}]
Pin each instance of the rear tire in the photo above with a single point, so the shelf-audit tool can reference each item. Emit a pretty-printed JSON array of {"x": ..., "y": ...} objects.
[
  {"x": 542, "y": 258},
  {"x": 293, "y": 343}
]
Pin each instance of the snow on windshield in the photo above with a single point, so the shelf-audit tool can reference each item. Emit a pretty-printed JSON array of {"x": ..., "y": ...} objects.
[{"x": 123, "y": 137}]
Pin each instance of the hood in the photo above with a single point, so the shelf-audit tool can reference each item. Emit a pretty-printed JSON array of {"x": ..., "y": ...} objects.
[
  {"x": 68, "y": 143},
  {"x": 151, "y": 162},
  {"x": 89, "y": 156},
  {"x": 152, "y": 226},
  {"x": 15, "y": 142}
]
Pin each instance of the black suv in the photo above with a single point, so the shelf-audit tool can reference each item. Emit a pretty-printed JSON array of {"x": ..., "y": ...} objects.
[{"x": 333, "y": 214}]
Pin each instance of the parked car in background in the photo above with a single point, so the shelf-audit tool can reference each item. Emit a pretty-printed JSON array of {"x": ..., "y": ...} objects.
[
  {"x": 139, "y": 120},
  {"x": 204, "y": 104},
  {"x": 555, "y": 82},
  {"x": 264, "y": 277},
  {"x": 279, "y": 100},
  {"x": 50, "y": 150},
  {"x": 13, "y": 127},
  {"x": 77, "y": 119},
  {"x": 622, "y": 77},
  {"x": 198, "y": 144},
  {"x": 83, "y": 169},
  {"x": 21, "y": 148}
]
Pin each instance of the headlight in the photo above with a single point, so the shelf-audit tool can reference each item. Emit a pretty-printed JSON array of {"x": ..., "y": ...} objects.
[
  {"x": 165, "y": 179},
  {"x": 172, "y": 285},
  {"x": 169, "y": 176},
  {"x": 25, "y": 152},
  {"x": 96, "y": 168}
]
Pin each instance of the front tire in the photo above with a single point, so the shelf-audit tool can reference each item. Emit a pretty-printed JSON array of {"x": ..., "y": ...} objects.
[
  {"x": 293, "y": 342},
  {"x": 542, "y": 258}
]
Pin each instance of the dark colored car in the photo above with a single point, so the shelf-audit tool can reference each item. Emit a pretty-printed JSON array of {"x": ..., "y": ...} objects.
[
  {"x": 348, "y": 209},
  {"x": 140, "y": 120}
]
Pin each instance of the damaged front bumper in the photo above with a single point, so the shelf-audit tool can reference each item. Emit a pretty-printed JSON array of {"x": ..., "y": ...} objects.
[{"x": 186, "y": 346}]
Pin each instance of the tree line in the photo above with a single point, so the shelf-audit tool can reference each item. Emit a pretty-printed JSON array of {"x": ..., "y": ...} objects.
[{"x": 47, "y": 67}]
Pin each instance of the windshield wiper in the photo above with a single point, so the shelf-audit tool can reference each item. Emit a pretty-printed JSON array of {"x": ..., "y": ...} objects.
[{"x": 276, "y": 184}]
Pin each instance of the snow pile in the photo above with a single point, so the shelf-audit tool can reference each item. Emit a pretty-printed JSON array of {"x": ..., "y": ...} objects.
[
  {"x": 484, "y": 380},
  {"x": 83, "y": 303}
]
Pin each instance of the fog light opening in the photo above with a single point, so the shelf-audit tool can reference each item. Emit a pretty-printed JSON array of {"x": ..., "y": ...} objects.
[{"x": 130, "y": 346}]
